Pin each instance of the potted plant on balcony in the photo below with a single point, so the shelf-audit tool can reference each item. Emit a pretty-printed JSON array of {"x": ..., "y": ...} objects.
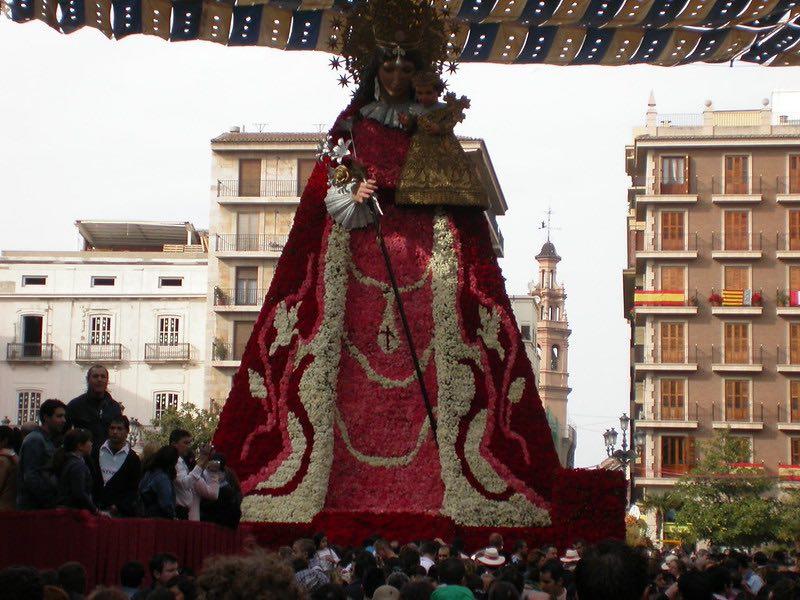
[
  {"x": 758, "y": 299},
  {"x": 781, "y": 298},
  {"x": 715, "y": 299},
  {"x": 220, "y": 298},
  {"x": 219, "y": 350}
]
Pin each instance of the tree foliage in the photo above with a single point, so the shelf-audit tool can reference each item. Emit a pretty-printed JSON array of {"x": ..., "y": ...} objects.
[
  {"x": 724, "y": 502},
  {"x": 200, "y": 422}
]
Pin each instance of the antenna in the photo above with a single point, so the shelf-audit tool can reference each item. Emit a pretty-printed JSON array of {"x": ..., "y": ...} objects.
[
  {"x": 548, "y": 224},
  {"x": 320, "y": 127},
  {"x": 260, "y": 127}
]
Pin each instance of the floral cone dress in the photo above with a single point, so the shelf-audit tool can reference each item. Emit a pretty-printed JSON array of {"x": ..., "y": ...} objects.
[{"x": 325, "y": 415}]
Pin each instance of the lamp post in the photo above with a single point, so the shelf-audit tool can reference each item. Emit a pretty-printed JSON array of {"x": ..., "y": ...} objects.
[{"x": 624, "y": 455}]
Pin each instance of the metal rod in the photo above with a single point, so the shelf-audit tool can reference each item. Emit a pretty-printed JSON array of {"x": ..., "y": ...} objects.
[{"x": 372, "y": 203}]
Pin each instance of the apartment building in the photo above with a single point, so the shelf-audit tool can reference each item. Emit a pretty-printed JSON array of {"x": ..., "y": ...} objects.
[
  {"x": 257, "y": 179},
  {"x": 711, "y": 287},
  {"x": 133, "y": 298}
]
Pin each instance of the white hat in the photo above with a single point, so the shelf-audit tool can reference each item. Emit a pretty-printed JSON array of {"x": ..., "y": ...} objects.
[
  {"x": 668, "y": 559},
  {"x": 570, "y": 556},
  {"x": 490, "y": 557}
]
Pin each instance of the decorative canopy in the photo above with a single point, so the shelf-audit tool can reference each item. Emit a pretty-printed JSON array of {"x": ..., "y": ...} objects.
[{"x": 559, "y": 32}]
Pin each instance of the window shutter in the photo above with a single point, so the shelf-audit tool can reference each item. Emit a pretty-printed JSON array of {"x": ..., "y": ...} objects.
[
  {"x": 794, "y": 174},
  {"x": 672, "y": 278},
  {"x": 249, "y": 177},
  {"x": 736, "y": 278}
]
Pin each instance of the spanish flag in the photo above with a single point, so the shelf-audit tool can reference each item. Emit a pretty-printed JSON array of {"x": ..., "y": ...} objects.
[
  {"x": 737, "y": 297},
  {"x": 659, "y": 298}
]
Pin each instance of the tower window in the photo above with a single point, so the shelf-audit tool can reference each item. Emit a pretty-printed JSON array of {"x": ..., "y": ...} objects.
[{"x": 554, "y": 356}]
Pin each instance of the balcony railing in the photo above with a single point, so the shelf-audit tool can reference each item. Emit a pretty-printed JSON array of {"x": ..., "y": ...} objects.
[
  {"x": 787, "y": 185},
  {"x": 720, "y": 185},
  {"x": 678, "y": 413},
  {"x": 29, "y": 352},
  {"x": 222, "y": 351},
  {"x": 240, "y": 242},
  {"x": 736, "y": 242},
  {"x": 671, "y": 186},
  {"x": 661, "y": 244},
  {"x": 167, "y": 353},
  {"x": 98, "y": 352},
  {"x": 737, "y": 414},
  {"x": 266, "y": 188},
  {"x": 680, "y": 120},
  {"x": 786, "y": 242},
  {"x": 749, "y": 356},
  {"x": 239, "y": 296},
  {"x": 679, "y": 355}
]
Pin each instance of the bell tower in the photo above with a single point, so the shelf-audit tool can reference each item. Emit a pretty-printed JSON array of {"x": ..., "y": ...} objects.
[{"x": 552, "y": 336}]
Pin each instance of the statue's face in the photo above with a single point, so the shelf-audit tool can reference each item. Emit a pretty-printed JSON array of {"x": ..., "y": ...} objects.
[{"x": 395, "y": 79}]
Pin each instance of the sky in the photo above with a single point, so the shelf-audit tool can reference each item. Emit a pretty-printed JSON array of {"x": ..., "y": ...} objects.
[{"x": 95, "y": 129}]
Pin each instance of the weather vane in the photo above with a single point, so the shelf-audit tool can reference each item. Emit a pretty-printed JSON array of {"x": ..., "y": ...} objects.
[{"x": 547, "y": 224}]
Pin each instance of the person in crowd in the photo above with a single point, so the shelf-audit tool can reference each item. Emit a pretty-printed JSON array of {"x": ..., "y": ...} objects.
[
  {"x": 496, "y": 541},
  {"x": 611, "y": 571},
  {"x": 374, "y": 578},
  {"x": 10, "y": 440},
  {"x": 258, "y": 576},
  {"x": 74, "y": 475},
  {"x": 72, "y": 579},
  {"x": 386, "y": 556},
  {"x": 37, "y": 485},
  {"x": 490, "y": 558},
  {"x": 94, "y": 409},
  {"x": 552, "y": 580},
  {"x": 156, "y": 491},
  {"x": 163, "y": 569},
  {"x": 308, "y": 572},
  {"x": 570, "y": 559},
  {"x": 417, "y": 590},
  {"x": 580, "y": 547},
  {"x": 386, "y": 592},
  {"x": 131, "y": 577},
  {"x": 443, "y": 553},
  {"x": 220, "y": 499},
  {"x": 397, "y": 579},
  {"x": 520, "y": 554},
  {"x": 21, "y": 582},
  {"x": 182, "y": 588},
  {"x": 326, "y": 556},
  {"x": 751, "y": 581},
  {"x": 550, "y": 553},
  {"x": 187, "y": 502},
  {"x": 502, "y": 590},
  {"x": 362, "y": 562},
  {"x": 427, "y": 557},
  {"x": 117, "y": 471},
  {"x": 452, "y": 574},
  {"x": 107, "y": 593},
  {"x": 694, "y": 585}
]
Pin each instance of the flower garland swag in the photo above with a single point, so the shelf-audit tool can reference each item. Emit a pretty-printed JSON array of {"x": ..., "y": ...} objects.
[{"x": 324, "y": 426}]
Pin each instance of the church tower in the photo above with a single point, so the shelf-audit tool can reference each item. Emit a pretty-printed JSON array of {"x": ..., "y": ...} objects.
[{"x": 552, "y": 336}]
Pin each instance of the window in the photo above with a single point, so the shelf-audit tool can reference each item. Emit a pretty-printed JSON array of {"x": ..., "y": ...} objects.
[
  {"x": 639, "y": 461},
  {"x": 170, "y": 282},
  {"x": 794, "y": 278},
  {"x": 305, "y": 166},
  {"x": 164, "y": 401},
  {"x": 247, "y": 231},
  {"x": 34, "y": 280},
  {"x": 737, "y": 227},
  {"x": 672, "y": 343},
  {"x": 736, "y": 278},
  {"x": 554, "y": 355},
  {"x": 539, "y": 352},
  {"x": 793, "y": 218},
  {"x": 737, "y": 174},
  {"x": 794, "y": 173},
  {"x": 794, "y": 450},
  {"x": 241, "y": 335},
  {"x": 32, "y": 328},
  {"x": 672, "y": 230},
  {"x": 28, "y": 403},
  {"x": 794, "y": 401},
  {"x": 737, "y": 400},
  {"x": 737, "y": 343},
  {"x": 677, "y": 455},
  {"x": 673, "y": 279},
  {"x": 672, "y": 399},
  {"x": 525, "y": 331},
  {"x": 794, "y": 343},
  {"x": 246, "y": 293},
  {"x": 98, "y": 281},
  {"x": 674, "y": 175},
  {"x": 99, "y": 330},
  {"x": 250, "y": 177},
  {"x": 169, "y": 331}
]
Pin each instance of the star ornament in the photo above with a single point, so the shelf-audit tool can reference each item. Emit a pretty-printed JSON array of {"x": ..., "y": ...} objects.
[
  {"x": 335, "y": 63},
  {"x": 344, "y": 80},
  {"x": 452, "y": 68}
]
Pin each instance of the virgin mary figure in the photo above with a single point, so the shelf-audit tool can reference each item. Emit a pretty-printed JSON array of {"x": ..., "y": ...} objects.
[{"x": 325, "y": 415}]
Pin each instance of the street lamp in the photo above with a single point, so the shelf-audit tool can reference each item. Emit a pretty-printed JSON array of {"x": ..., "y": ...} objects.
[{"x": 624, "y": 455}]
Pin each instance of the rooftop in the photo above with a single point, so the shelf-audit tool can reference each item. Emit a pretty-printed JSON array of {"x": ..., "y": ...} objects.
[
  {"x": 152, "y": 236},
  {"x": 266, "y": 137}
]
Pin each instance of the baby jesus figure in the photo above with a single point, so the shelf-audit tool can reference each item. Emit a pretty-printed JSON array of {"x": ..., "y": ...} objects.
[{"x": 437, "y": 170}]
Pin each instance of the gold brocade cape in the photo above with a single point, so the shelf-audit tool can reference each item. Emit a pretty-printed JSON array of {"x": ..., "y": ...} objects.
[{"x": 437, "y": 171}]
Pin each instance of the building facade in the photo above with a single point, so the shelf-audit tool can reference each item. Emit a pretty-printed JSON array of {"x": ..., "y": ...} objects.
[
  {"x": 552, "y": 349},
  {"x": 713, "y": 264},
  {"x": 257, "y": 180},
  {"x": 133, "y": 299}
]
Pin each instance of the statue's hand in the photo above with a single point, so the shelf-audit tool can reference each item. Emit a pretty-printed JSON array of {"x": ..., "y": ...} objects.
[{"x": 364, "y": 190}]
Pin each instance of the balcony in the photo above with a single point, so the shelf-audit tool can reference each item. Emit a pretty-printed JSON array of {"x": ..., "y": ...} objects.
[
  {"x": 749, "y": 418},
  {"x": 738, "y": 303},
  {"x": 670, "y": 192},
  {"x": 172, "y": 353},
  {"x": 788, "y": 420},
  {"x": 788, "y": 360},
  {"x": 267, "y": 245},
  {"x": 736, "y": 246},
  {"x": 98, "y": 352},
  {"x": 669, "y": 249},
  {"x": 737, "y": 192},
  {"x": 668, "y": 360},
  {"x": 787, "y": 191},
  {"x": 243, "y": 299},
  {"x": 222, "y": 356},
  {"x": 745, "y": 361},
  {"x": 663, "y": 302},
  {"x": 787, "y": 247},
  {"x": 683, "y": 418},
  {"x": 232, "y": 191},
  {"x": 34, "y": 353}
]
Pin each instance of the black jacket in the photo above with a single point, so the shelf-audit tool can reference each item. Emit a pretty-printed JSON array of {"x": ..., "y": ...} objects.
[
  {"x": 122, "y": 490},
  {"x": 87, "y": 413},
  {"x": 75, "y": 484}
]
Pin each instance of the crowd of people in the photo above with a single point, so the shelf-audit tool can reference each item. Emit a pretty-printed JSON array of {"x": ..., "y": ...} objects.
[
  {"x": 78, "y": 456},
  {"x": 313, "y": 569}
]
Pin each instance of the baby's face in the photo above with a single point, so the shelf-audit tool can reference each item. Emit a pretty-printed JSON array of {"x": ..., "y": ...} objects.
[{"x": 426, "y": 95}]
